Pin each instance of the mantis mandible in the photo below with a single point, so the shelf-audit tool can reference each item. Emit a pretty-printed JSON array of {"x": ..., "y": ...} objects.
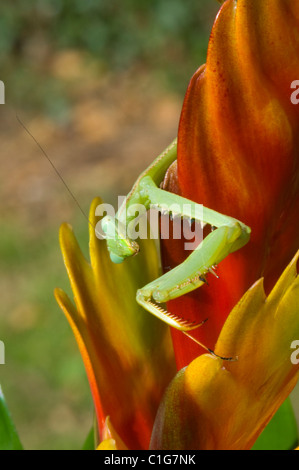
[{"x": 229, "y": 235}]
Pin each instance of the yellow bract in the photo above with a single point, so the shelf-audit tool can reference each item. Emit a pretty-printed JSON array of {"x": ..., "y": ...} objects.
[
  {"x": 126, "y": 351},
  {"x": 111, "y": 440},
  {"x": 215, "y": 404}
]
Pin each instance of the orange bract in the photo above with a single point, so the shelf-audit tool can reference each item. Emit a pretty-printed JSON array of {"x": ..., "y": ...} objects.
[
  {"x": 238, "y": 153},
  {"x": 127, "y": 352},
  {"x": 217, "y": 405}
]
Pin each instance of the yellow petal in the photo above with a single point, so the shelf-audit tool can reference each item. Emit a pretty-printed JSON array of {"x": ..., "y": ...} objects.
[
  {"x": 127, "y": 352},
  {"x": 110, "y": 435},
  {"x": 109, "y": 444},
  {"x": 215, "y": 404}
]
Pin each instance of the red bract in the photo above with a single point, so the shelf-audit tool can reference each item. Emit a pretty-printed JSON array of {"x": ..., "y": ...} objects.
[{"x": 238, "y": 153}]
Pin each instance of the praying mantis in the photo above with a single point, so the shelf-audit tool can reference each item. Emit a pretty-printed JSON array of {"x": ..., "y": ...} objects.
[{"x": 228, "y": 235}]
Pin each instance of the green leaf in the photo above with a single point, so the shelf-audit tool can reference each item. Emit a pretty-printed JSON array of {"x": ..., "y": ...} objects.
[
  {"x": 9, "y": 439},
  {"x": 89, "y": 443},
  {"x": 281, "y": 433}
]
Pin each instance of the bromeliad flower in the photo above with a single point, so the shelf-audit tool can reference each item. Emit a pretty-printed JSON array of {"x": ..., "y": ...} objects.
[
  {"x": 216, "y": 405},
  {"x": 212, "y": 404},
  {"x": 127, "y": 352},
  {"x": 238, "y": 153}
]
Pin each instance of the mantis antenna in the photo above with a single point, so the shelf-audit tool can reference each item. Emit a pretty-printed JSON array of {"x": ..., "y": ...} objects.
[{"x": 57, "y": 173}]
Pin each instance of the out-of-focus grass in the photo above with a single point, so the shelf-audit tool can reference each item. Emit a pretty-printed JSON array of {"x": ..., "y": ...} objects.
[{"x": 43, "y": 378}]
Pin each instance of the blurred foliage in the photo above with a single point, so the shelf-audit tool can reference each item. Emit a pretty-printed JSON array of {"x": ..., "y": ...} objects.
[
  {"x": 165, "y": 40},
  {"x": 169, "y": 37},
  {"x": 43, "y": 379},
  {"x": 121, "y": 33}
]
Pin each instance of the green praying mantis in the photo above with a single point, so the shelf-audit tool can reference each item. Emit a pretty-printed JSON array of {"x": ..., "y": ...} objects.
[{"x": 228, "y": 235}]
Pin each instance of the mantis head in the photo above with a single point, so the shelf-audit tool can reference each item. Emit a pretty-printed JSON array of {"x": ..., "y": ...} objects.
[{"x": 120, "y": 246}]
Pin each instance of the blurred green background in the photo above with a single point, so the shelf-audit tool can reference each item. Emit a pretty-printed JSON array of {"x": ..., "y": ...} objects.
[
  {"x": 100, "y": 84},
  {"x": 167, "y": 38}
]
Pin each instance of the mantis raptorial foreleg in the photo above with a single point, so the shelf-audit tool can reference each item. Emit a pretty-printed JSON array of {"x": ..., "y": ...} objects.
[{"x": 228, "y": 236}]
